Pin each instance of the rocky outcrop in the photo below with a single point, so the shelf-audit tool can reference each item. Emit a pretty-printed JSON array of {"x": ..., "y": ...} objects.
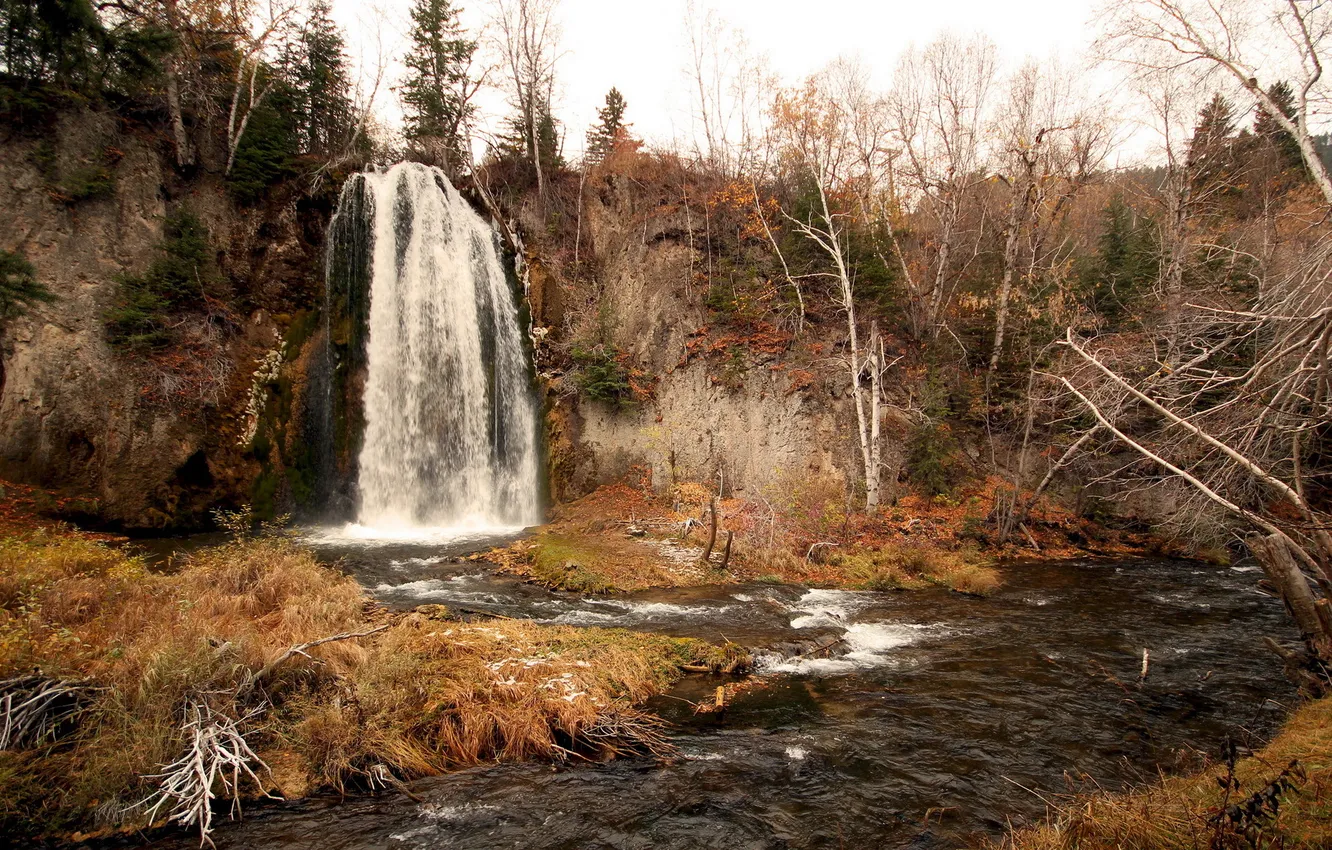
[
  {"x": 153, "y": 440},
  {"x": 754, "y": 424}
]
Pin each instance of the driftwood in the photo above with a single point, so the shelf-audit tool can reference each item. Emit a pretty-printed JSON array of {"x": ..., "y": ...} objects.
[
  {"x": 726, "y": 553},
  {"x": 215, "y": 752},
  {"x": 712, "y": 532},
  {"x": 34, "y": 709},
  {"x": 824, "y": 648}
]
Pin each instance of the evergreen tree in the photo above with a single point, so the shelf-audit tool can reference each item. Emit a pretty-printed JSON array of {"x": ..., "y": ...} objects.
[
  {"x": 19, "y": 287},
  {"x": 1211, "y": 155},
  {"x": 438, "y": 86},
  {"x": 50, "y": 41},
  {"x": 321, "y": 87},
  {"x": 267, "y": 151},
  {"x": 516, "y": 146},
  {"x": 610, "y": 129},
  {"x": 1125, "y": 264},
  {"x": 1268, "y": 131}
]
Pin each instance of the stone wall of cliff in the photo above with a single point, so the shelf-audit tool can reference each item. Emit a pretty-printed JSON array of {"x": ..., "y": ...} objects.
[{"x": 154, "y": 440}]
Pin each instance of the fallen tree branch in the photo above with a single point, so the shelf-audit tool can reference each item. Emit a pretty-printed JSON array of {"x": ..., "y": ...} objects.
[
  {"x": 300, "y": 649},
  {"x": 34, "y": 708}
]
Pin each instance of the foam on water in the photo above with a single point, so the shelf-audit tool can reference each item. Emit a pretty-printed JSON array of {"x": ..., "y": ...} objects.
[{"x": 610, "y": 611}]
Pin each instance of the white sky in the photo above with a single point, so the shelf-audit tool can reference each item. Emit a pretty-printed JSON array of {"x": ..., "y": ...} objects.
[{"x": 641, "y": 47}]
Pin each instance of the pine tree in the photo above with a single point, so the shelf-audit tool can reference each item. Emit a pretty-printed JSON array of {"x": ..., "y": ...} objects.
[
  {"x": 1266, "y": 128},
  {"x": 322, "y": 88},
  {"x": 54, "y": 41},
  {"x": 1211, "y": 155},
  {"x": 610, "y": 130},
  {"x": 19, "y": 287},
  {"x": 1125, "y": 264},
  {"x": 438, "y": 87},
  {"x": 516, "y": 144}
]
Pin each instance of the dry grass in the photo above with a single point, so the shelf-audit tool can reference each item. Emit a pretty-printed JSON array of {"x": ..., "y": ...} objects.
[
  {"x": 906, "y": 566},
  {"x": 1197, "y": 812},
  {"x": 443, "y": 694},
  {"x": 424, "y": 696}
]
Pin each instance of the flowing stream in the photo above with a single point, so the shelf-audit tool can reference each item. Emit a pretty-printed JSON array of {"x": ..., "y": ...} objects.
[
  {"x": 923, "y": 719},
  {"x": 937, "y": 717}
]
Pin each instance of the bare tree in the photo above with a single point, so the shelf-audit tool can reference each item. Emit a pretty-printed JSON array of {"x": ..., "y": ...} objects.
[
  {"x": 731, "y": 88},
  {"x": 1240, "y": 39},
  {"x": 815, "y": 132},
  {"x": 528, "y": 44},
  {"x": 940, "y": 100},
  {"x": 1051, "y": 144}
]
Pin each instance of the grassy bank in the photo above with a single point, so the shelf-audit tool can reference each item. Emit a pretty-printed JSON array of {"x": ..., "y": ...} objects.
[
  {"x": 1280, "y": 796},
  {"x": 126, "y": 672},
  {"x": 624, "y": 538}
]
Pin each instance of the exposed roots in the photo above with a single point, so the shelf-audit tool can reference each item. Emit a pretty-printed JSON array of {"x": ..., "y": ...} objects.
[
  {"x": 215, "y": 752},
  {"x": 628, "y": 731},
  {"x": 37, "y": 709}
]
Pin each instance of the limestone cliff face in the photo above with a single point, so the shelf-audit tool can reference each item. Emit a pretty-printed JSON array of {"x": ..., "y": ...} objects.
[
  {"x": 757, "y": 423},
  {"x": 153, "y": 441}
]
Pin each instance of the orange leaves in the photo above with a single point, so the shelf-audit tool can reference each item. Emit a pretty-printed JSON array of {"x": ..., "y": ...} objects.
[{"x": 735, "y": 202}]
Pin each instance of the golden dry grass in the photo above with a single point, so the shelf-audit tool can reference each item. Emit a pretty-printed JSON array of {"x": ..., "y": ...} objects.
[
  {"x": 1190, "y": 812},
  {"x": 426, "y": 695},
  {"x": 890, "y": 566}
]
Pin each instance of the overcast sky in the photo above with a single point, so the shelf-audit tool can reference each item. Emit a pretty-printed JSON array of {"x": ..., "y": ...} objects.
[{"x": 641, "y": 47}]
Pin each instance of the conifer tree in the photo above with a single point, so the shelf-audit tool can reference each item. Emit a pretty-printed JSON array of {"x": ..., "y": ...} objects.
[
  {"x": 322, "y": 89},
  {"x": 610, "y": 129},
  {"x": 1266, "y": 128},
  {"x": 1211, "y": 154},
  {"x": 19, "y": 287},
  {"x": 1125, "y": 264},
  {"x": 437, "y": 92}
]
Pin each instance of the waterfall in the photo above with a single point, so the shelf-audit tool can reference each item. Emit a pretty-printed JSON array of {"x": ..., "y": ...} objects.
[{"x": 450, "y": 416}]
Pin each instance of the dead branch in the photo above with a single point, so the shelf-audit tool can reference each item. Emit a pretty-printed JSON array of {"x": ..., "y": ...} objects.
[
  {"x": 215, "y": 752},
  {"x": 813, "y": 547},
  {"x": 34, "y": 709},
  {"x": 628, "y": 731},
  {"x": 300, "y": 649}
]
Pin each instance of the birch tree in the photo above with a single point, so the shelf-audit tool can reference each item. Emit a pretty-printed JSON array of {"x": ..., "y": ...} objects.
[
  {"x": 814, "y": 132},
  {"x": 940, "y": 102},
  {"x": 1253, "y": 43},
  {"x": 262, "y": 38}
]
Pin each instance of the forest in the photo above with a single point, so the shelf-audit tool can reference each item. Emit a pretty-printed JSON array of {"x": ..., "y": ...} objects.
[{"x": 953, "y": 321}]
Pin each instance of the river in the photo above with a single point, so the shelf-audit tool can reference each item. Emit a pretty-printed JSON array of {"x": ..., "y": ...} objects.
[{"x": 934, "y": 720}]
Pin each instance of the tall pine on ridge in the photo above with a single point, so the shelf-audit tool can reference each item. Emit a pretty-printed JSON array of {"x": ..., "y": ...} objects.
[
  {"x": 610, "y": 129},
  {"x": 322, "y": 85},
  {"x": 438, "y": 88}
]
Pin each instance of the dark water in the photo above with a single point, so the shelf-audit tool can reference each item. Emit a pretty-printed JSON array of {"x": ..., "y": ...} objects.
[{"x": 936, "y": 719}]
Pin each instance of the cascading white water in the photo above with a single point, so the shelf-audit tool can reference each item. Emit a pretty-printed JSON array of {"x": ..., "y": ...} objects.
[{"x": 450, "y": 417}]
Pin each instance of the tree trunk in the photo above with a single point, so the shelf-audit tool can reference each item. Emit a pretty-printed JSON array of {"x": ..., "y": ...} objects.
[
  {"x": 1017, "y": 218},
  {"x": 184, "y": 156},
  {"x": 1311, "y": 615},
  {"x": 712, "y": 532},
  {"x": 875, "y": 364}
]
